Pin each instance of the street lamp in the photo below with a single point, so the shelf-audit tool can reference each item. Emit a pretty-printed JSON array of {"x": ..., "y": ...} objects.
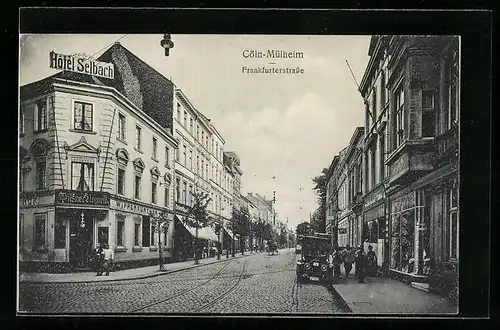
[{"x": 218, "y": 233}]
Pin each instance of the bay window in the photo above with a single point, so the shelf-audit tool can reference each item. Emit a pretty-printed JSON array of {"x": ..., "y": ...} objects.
[{"x": 400, "y": 115}]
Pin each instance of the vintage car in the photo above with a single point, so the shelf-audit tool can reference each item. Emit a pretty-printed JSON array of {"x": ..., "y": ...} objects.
[{"x": 313, "y": 264}]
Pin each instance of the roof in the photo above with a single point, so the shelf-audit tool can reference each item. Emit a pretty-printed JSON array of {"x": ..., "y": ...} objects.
[
  {"x": 43, "y": 86},
  {"x": 148, "y": 89}
]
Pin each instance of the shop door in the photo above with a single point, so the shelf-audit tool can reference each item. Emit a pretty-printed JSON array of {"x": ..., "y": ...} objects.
[{"x": 81, "y": 238}]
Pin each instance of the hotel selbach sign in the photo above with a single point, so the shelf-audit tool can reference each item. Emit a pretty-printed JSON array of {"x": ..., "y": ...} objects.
[{"x": 81, "y": 64}]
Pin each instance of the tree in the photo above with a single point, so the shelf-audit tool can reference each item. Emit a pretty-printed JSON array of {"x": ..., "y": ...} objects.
[
  {"x": 161, "y": 223},
  {"x": 198, "y": 216},
  {"x": 304, "y": 228},
  {"x": 320, "y": 189},
  {"x": 241, "y": 225},
  {"x": 267, "y": 232},
  {"x": 258, "y": 230}
]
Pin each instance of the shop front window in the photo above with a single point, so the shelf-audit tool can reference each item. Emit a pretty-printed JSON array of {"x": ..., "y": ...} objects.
[
  {"x": 103, "y": 236},
  {"x": 120, "y": 229},
  {"x": 137, "y": 231},
  {"x": 407, "y": 241},
  {"x": 40, "y": 236},
  {"x": 146, "y": 231},
  {"x": 59, "y": 234},
  {"x": 395, "y": 242}
]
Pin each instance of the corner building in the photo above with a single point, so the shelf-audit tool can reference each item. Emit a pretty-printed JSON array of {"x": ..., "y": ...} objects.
[
  {"x": 411, "y": 88},
  {"x": 92, "y": 170}
]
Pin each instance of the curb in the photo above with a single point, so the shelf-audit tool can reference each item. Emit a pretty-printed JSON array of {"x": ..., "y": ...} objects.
[
  {"x": 338, "y": 299},
  {"x": 139, "y": 276}
]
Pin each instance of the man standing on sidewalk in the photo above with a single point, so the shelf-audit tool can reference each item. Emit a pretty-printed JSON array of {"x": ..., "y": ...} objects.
[
  {"x": 108, "y": 259},
  {"x": 348, "y": 257},
  {"x": 361, "y": 263}
]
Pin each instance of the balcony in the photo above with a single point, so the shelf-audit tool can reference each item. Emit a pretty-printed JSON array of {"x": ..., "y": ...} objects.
[
  {"x": 356, "y": 204},
  {"x": 447, "y": 146},
  {"x": 411, "y": 160}
]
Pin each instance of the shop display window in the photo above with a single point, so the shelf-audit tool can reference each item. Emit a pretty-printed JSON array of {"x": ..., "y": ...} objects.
[
  {"x": 102, "y": 236},
  {"x": 59, "y": 234}
]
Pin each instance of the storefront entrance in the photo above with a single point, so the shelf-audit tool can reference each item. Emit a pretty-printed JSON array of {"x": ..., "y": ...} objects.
[{"x": 81, "y": 239}]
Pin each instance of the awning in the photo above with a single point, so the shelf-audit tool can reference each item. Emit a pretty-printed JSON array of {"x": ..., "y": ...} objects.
[
  {"x": 203, "y": 233},
  {"x": 229, "y": 232}
]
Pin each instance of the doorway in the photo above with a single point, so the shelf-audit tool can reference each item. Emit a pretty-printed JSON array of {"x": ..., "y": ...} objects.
[{"x": 81, "y": 239}]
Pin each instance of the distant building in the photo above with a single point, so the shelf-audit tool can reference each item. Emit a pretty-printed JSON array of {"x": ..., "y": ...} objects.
[{"x": 344, "y": 193}]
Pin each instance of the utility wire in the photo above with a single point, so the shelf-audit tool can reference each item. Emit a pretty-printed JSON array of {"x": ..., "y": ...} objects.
[{"x": 92, "y": 56}]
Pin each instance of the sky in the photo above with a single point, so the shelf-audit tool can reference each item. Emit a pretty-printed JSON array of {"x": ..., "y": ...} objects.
[{"x": 284, "y": 126}]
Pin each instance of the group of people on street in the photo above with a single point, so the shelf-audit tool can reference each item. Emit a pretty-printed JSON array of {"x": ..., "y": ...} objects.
[
  {"x": 103, "y": 259},
  {"x": 364, "y": 262}
]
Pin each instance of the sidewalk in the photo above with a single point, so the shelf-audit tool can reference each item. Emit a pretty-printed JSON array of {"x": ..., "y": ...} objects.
[
  {"x": 389, "y": 296},
  {"x": 121, "y": 275}
]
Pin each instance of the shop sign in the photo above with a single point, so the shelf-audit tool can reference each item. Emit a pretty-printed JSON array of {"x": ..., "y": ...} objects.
[
  {"x": 404, "y": 202},
  {"x": 132, "y": 207},
  {"x": 74, "y": 197},
  {"x": 81, "y": 64}
]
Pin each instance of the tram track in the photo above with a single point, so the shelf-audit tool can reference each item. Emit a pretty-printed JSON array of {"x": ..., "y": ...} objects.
[
  {"x": 183, "y": 292},
  {"x": 227, "y": 292}
]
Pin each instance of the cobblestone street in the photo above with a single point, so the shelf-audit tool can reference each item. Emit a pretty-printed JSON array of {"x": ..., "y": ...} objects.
[{"x": 258, "y": 283}]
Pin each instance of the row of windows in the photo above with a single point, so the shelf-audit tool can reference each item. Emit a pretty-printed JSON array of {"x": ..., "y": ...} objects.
[
  {"x": 432, "y": 121},
  {"x": 184, "y": 195},
  {"x": 202, "y": 168},
  {"x": 203, "y": 138},
  {"x": 122, "y": 135},
  {"x": 146, "y": 233},
  {"x": 82, "y": 117}
]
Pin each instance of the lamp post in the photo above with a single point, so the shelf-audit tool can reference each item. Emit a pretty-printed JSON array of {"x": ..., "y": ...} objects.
[{"x": 218, "y": 234}]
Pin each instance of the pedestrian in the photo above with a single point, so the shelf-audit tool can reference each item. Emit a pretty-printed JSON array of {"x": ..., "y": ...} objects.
[
  {"x": 108, "y": 259},
  {"x": 372, "y": 262},
  {"x": 337, "y": 261},
  {"x": 361, "y": 262},
  {"x": 348, "y": 258},
  {"x": 98, "y": 259}
]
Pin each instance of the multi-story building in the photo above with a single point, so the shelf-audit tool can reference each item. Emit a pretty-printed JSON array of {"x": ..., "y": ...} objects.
[
  {"x": 411, "y": 88},
  {"x": 344, "y": 192},
  {"x": 266, "y": 209},
  {"x": 332, "y": 200},
  {"x": 94, "y": 167},
  {"x": 106, "y": 153}
]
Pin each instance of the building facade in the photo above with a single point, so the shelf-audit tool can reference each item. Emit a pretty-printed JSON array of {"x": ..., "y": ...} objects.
[
  {"x": 344, "y": 193},
  {"x": 411, "y": 88},
  {"x": 92, "y": 171},
  {"x": 99, "y": 157},
  {"x": 395, "y": 186}
]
